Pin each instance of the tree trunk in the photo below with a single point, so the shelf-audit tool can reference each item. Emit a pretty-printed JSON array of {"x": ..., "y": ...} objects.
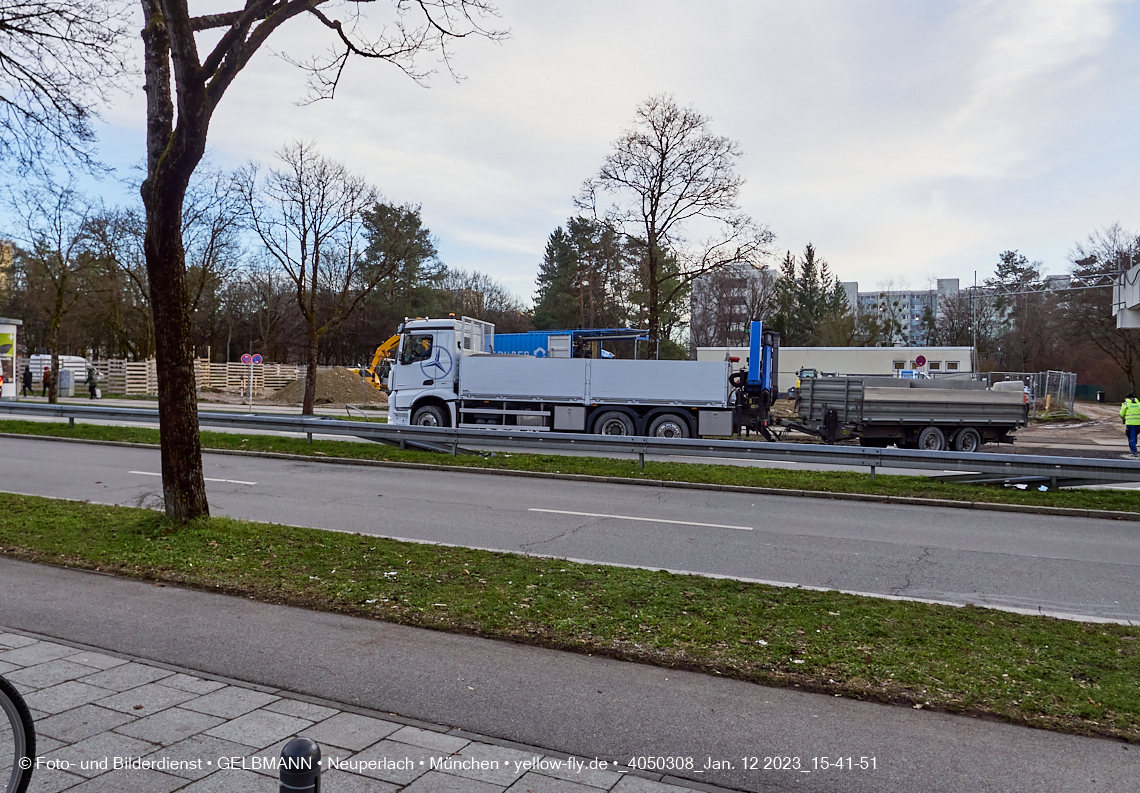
[
  {"x": 53, "y": 345},
  {"x": 183, "y": 485},
  {"x": 172, "y": 156},
  {"x": 311, "y": 368},
  {"x": 653, "y": 267}
]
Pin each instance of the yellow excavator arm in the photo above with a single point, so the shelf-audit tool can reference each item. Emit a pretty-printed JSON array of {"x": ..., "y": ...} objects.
[{"x": 375, "y": 371}]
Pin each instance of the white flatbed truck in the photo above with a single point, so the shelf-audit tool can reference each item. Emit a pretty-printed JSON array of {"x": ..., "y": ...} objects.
[{"x": 447, "y": 375}]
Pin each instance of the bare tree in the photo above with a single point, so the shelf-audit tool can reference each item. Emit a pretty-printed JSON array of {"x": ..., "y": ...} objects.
[
  {"x": 309, "y": 217},
  {"x": 335, "y": 241},
  {"x": 58, "y": 60},
  {"x": 55, "y": 255},
  {"x": 479, "y": 295},
  {"x": 725, "y": 302},
  {"x": 119, "y": 297},
  {"x": 183, "y": 90},
  {"x": 1089, "y": 311},
  {"x": 268, "y": 298},
  {"x": 669, "y": 175}
]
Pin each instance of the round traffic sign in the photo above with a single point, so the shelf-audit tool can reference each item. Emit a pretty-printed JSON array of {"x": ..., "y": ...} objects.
[
  {"x": 920, "y": 360},
  {"x": 257, "y": 358},
  {"x": 247, "y": 358}
]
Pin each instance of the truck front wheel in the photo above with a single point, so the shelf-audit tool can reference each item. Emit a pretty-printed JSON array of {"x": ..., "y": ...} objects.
[
  {"x": 932, "y": 439},
  {"x": 613, "y": 423},
  {"x": 428, "y": 416},
  {"x": 669, "y": 426}
]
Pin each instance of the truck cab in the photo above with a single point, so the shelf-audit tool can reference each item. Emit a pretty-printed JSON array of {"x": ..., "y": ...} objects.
[{"x": 423, "y": 381}]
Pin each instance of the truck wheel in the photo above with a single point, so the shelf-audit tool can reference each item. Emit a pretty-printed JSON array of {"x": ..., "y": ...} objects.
[
  {"x": 669, "y": 426},
  {"x": 932, "y": 439},
  {"x": 613, "y": 423},
  {"x": 967, "y": 440},
  {"x": 428, "y": 416}
]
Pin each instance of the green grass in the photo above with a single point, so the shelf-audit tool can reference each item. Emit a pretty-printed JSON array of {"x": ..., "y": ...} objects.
[
  {"x": 1036, "y": 671},
  {"x": 854, "y": 481}
]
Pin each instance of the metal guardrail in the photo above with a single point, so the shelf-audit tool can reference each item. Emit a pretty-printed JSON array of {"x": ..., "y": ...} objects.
[{"x": 976, "y": 467}]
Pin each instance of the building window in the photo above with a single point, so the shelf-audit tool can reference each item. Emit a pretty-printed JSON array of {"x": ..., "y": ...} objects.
[
  {"x": 935, "y": 366},
  {"x": 900, "y": 364},
  {"x": 951, "y": 366}
]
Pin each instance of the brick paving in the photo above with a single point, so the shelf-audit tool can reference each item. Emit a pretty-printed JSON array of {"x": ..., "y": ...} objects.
[{"x": 106, "y": 722}]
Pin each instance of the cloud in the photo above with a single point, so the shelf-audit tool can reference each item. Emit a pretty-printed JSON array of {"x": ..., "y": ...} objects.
[{"x": 902, "y": 138}]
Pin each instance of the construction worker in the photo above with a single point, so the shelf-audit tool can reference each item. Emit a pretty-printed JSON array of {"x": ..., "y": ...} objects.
[{"x": 1130, "y": 415}]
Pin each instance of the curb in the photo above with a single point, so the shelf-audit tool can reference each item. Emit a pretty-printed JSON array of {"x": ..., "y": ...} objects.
[{"x": 1066, "y": 512}]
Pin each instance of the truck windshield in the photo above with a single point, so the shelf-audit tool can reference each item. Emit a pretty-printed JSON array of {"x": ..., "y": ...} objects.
[{"x": 416, "y": 348}]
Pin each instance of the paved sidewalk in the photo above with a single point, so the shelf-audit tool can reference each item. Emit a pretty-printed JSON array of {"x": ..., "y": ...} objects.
[{"x": 106, "y": 722}]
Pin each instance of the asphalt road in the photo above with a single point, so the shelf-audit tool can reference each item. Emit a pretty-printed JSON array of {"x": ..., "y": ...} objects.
[
  {"x": 1054, "y": 565},
  {"x": 585, "y": 706}
]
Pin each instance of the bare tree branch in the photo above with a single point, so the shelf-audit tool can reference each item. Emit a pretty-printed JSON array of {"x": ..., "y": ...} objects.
[{"x": 59, "y": 60}]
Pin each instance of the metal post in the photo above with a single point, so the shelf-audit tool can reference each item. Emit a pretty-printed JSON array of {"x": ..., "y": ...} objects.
[
  {"x": 309, "y": 435},
  {"x": 300, "y": 767},
  {"x": 641, "y": 460},
  {"x": 872, "y": 473},
  {"x": 71, "y": 422}
]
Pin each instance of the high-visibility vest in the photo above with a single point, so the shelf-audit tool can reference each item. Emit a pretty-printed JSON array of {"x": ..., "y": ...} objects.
[{"x": 1130, "y": 411}]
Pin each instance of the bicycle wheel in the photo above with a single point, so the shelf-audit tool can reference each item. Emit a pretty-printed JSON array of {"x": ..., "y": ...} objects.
[{"x": 17, "y": 740}]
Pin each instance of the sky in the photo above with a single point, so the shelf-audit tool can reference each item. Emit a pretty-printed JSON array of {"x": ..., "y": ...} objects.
[{"x": 907, "y": 141}]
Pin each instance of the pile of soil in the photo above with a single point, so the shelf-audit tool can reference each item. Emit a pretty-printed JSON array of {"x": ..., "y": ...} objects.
[
  {"x": 334, "y": 387},
  {"x": 784, "y": 408}
]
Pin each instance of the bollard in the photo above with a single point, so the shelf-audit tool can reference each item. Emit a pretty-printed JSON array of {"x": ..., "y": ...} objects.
[{"x": 300, "y": 768}]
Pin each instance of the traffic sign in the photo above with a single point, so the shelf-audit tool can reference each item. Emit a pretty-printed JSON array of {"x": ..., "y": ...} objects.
[
  {"x": 247, "y": 358},
  {"x": 920, "y": 360},
  {"x": 256, "y": 358}
]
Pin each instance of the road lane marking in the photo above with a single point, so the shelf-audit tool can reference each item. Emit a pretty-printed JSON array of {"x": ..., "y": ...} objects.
[
  {"x": 208, "y": 479},
  {"x": 647, "y": 520}
]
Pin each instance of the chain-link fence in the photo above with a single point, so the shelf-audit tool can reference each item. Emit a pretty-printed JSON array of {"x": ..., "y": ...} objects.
[{"x": 1050, "y": 392}]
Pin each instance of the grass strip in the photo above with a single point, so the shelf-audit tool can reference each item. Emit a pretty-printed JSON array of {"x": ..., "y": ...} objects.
[
  {"x": 1037, "y": 671},
  {"x": 823, "y": 481}
]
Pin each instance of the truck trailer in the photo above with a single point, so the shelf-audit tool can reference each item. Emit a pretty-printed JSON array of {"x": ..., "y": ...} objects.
[
  {"x": 910, "y": 413},
  {"x": 445, "y": 376}
]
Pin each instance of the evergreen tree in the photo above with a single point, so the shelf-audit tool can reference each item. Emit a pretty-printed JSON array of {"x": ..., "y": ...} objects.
[
  {"x": 586, "y": 278},
  {"x": 554, "y": 304},
  {"x": 810, "y": 303}
]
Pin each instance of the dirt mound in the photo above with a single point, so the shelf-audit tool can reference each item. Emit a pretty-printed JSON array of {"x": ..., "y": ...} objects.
[
  {"x": 334, "y": 387},
  {"x": 785, "y": 408}
]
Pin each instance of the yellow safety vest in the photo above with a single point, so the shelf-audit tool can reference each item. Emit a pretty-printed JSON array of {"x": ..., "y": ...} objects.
[{"x": 1130, "y": 411}]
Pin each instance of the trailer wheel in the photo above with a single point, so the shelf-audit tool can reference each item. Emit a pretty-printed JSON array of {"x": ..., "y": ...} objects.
[
  {"x": 967, "y": 440},
  {"x": 932, "y": 439},
  {"x": 669, "y": 426},
  {"x": 428, "y": 416},
  {"x": 613, "y": 423}
]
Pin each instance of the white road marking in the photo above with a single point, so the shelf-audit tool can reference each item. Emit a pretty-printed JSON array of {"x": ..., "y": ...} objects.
[
  {"x": 208, "y": 479},
  {"x": 647, "y": 520}
]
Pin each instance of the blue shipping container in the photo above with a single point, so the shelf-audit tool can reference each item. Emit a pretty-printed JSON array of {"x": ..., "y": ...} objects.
[{"x": 533, "y": 343}]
